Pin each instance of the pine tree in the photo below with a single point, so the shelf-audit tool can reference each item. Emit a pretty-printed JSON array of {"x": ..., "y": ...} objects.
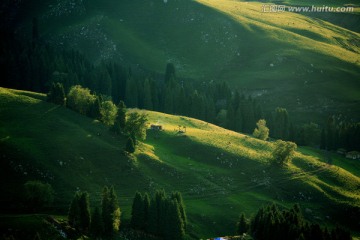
[
  {"x": 130, "y": 146},
  {"x": 96, "y": 226},
  {"x": 120, "y": 121},
  {"x": 115, "y": 210},
  {"x": 238, "y": 121},
  {"x": 95, "y": 109},
  {"x": 175, "y": 226},
  {"x": 56, "y": 94},
  {"x": 160, "y": 197},
  {"x": 178, "y": 197},
  {"x": 230, "y": 117},
  {"x": 152, "y": 217},
  {"x": 74, "y": 211},
  {"x": 84, "y": 212},
  {"x": 106, "y": 212},
  {"x": 146, "y": 202},
  {"x": 131, "y": 96},
  {"x": 169, "y": 72},
  {"x": 137, "y": 212},
  {"x": 148, "y": 104},
  {"x": 242, "y": 226},
  {"x": 281, "y": 124}
]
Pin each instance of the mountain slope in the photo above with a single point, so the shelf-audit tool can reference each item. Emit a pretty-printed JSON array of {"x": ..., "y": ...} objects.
[
  {"x": 308, "y": 65},
  {"x": 220, "y": 173}
]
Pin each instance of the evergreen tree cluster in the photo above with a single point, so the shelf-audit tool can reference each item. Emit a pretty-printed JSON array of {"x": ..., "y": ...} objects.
[
  {"x": 340, "y": 134},
  {"x": 79, "y": 212},
  {"x": 56, "y": 94},
  {"x": 272, "y": 223},
  {"x": 161, "y": 215},
  {"x": 100, "y": 223}
]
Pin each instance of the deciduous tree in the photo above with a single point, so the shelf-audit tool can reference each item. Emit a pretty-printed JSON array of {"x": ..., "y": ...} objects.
[{"x": 261, "y": 132}]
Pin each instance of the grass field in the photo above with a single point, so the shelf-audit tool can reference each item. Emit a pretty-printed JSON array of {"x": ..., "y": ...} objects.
[{"x": 219, "y": 172}]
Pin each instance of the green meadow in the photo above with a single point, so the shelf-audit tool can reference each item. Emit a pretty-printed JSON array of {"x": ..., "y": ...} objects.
[{"x": 220, "y": 173}]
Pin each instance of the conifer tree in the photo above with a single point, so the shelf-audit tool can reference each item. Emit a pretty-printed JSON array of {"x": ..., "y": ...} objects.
[
  {"x": 96, "y": 226},
  {"x": 146, "y": 203},
  {"x": 120, "y": 121},
  {"x": 243, "y": 225},
  {"x": 175, "y": 225},
  {"x": 178, "y": 197},
  {"x": 95, "y": 109},
  {"x": 138, "y": 212},
  {"x": 74, "y": 211},
  {"x": 148, "y": 104},
  {"x": 169, "y": 72},
  {"x": 230, "y": 117},
  {"x": 152, "y": 217},
  {"x": 84, "y": 212}
]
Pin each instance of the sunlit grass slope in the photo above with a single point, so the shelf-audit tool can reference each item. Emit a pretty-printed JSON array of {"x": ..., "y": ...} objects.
[{"x": 219, "y": 172}]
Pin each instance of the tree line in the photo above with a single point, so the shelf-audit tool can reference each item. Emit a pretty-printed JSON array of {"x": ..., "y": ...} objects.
[{"x": 270, "y": 222}]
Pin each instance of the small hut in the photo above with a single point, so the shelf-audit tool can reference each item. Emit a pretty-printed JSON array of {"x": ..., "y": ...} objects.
[{"x": 156, "y": 127}]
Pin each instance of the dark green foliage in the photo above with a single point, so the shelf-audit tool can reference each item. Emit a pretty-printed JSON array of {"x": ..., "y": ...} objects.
[
  {"x": 146, "y": 202},
  {"x": 130, "y": 146},
  {"x": 131, "y": 96},
  {"x": 84, "y": 213},
  {"x": 136, "y": 125},
  {"x": 147, "y": 98},
  {"x": 230, "y": 117},
  {"x": 96, "y": 226},
  {"x": 283, "y": 152},
  {"x": 309, "y": 135},
  {"x": 95, "y": 107},
  {"x": 35, "y": 32},
  {"x": 242, "y": 225},
  {"x": 56, "y": 94},
  {"x": 281, "y": 124},
  {"x": 339, "y": 133},
  {"x": 74, "y": 211},
  {"x": 272, "y": 223},
  {"x": 169, "y": 72},
  {"x": 120, "y": 121},
  {"x": 161, "y": 216},
  {"x": 37, "y": 195},
  {"x": 178, "y": 197},
  {"x": 79, "y": 212},
  {"x": 174, "y": 224},
  {"x": 110, "y": 211},
  {"x": 138, "y": 212}
]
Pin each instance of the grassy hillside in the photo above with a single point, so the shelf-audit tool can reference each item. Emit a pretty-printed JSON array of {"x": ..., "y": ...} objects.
[
  {"x": 313, "y": 65},
  {"x": 219, "y": 172}
]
